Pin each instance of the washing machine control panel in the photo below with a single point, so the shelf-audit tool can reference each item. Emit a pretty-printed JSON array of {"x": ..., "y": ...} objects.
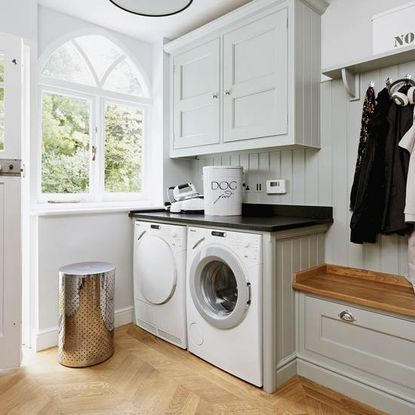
[
  {"x": 174, "y": 235},
  {"x": 246, "y": 245}
]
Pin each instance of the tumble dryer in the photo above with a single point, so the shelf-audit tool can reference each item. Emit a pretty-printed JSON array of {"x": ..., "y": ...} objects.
[
  {"x": 160, "y": 280},
  {"x": 224, "y": 301}
]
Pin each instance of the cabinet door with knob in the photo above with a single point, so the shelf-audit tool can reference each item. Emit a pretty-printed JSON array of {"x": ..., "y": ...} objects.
[
  {"x": 196, "y": 96},
  {"x": 380, "y": 345},
  {"x": 255, "y": 79}
]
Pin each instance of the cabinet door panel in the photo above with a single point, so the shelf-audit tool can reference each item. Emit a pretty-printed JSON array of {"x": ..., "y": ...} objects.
[
  {"x": 255, "y": 79},
  {"x": 378, "y": 344},
  {"x": 196, "y": 96}
]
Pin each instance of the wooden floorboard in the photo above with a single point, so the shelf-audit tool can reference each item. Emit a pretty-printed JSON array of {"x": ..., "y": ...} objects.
[{"x": 149, "y": 376}]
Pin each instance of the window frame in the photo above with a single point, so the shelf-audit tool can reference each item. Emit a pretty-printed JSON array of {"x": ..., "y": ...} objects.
[{"x": 98, "y": 97}]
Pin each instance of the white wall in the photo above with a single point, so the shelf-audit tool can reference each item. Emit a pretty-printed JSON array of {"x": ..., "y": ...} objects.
[
  {"x": 19, "y": 18},
  {"x": 347, "y": 29},
  {"x": 75, "y": 238}
]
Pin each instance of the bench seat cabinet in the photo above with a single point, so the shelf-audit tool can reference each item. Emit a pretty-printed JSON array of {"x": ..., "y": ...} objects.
[
  {"x": 366, "y": 347},
  {"x": 249, "y": 80}
]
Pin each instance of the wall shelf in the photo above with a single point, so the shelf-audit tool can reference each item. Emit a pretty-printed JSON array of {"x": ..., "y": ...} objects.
[{"x": 349, "y": 72}]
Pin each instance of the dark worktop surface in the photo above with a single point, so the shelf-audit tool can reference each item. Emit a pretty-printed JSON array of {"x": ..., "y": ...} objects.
[{"x": 264, "y": 218}]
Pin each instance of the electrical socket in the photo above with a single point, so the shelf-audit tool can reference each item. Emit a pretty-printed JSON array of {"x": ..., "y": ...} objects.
[{"x": 259, "y": 188}]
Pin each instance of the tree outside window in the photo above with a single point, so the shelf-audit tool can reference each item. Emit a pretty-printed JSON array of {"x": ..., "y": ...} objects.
[{"x": 92, "y": 124}]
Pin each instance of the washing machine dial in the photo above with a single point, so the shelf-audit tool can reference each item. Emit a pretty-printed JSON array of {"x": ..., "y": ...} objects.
[
  {"x": 174, "y": 235},
  {"x": 246, "y": 244}
]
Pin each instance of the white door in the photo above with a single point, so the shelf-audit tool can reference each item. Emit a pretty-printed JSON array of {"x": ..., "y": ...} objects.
[
  {"x": 11, "y": 100},
  {"x": 255, "y": 79},
  {"x": 197, "y": 96}
]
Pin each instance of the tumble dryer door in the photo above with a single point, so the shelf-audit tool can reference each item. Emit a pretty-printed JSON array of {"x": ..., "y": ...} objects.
[
  {"x": 156, "y": 271},
  {"x": 219, "y": 288}
]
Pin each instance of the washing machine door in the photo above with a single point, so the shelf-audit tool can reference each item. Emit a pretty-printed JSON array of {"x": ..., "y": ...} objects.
[
  {"x": 156, "y": 270},
  {"x": 219, "y": 288}
]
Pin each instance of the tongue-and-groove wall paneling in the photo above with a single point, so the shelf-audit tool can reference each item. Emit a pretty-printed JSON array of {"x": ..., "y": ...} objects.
[{"x": 324, "y": 177}]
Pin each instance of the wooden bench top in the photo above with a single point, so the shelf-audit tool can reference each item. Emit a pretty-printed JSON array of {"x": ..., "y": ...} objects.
[{"x": 386, "y": 292}]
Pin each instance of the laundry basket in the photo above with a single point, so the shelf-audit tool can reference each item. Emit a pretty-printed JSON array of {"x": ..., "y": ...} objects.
[{"x": 86, "y": 313}]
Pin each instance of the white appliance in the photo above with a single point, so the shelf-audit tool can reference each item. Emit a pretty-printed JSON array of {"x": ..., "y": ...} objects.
[
  {"x": 185, "y": 198},
  {"x": 160, "y": 280},
  {"x": 224, "y": 300},
  {"x": 222, "y": 188}
]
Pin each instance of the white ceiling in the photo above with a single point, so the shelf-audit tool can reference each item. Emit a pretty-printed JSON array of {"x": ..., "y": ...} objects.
[{"x": 150, "y": 29}]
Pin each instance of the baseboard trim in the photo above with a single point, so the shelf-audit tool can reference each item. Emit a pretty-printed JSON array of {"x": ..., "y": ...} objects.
[
  {"x": 124, "y": 316},
  {"x": 45, "y": 339},
  {"x": 354, "y": 389},
  {"x": 286, "y": 369}
]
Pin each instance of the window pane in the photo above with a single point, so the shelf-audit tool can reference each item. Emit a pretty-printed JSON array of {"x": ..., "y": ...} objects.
[
  {"x": 1, "y": 68},
  {"x": 124, "y": 79},
  {"x": 101, "y": 52},
  {"x": 1, "y": 133},
  {"x": 123, "y": 148},
  {"x": 67, "y": 64},
  {"x": 1, "y": 100},
  {"x": 65, "y": 144}
]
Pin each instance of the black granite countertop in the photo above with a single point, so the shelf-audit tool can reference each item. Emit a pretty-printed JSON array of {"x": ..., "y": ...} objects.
[{"x": 264, "y": 218}]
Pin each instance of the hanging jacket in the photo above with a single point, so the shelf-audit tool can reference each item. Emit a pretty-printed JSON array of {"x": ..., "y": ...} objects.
[
  {"x": 368, "y": 210},
  {"x": 408, "y": 143},
  {"x": 367, "y": 114},
  {"x": 400, "y": 119}
]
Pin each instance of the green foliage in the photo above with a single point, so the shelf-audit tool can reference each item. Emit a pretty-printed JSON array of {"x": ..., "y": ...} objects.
[
  {"x": 66, "y": 146},
  {"x": 123, "y": 148},
  {"x": 1, "y": 68}
]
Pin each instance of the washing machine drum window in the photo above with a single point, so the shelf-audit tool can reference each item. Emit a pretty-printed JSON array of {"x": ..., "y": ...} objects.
[{"x": 219, "y": 288}]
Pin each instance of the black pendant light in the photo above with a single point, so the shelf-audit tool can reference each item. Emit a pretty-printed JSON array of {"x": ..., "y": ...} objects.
[{"x": 153, "y": 8}]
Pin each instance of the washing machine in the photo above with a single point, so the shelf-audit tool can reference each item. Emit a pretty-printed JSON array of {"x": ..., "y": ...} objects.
[
  {"x": 160, "y": 280},
  {"x": 224, "y": 301}
]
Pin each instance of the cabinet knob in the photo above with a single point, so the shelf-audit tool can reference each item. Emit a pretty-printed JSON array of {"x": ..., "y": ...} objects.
[
  {"x": 227, "y": 92},
  {"x": 215, "y": 95},
  {"x": 347, "y": 316}
]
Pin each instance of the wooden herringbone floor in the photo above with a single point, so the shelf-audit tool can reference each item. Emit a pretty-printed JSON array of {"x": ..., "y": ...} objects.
[{"x": 149, "y": 376}]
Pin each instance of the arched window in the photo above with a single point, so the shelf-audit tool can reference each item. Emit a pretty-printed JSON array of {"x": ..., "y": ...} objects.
[{"x": 94, "y": 103}]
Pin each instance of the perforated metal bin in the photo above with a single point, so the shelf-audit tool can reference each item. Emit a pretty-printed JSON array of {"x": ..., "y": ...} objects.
[{"x": 86, "y": 313}]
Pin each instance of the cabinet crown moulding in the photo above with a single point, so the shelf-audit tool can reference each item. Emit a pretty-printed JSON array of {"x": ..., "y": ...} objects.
[{"x": 319, "y": 6}]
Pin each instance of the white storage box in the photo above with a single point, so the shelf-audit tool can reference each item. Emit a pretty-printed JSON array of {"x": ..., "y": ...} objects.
[
  {"x": 394, "y": 29},
  {"x": 222, "y": 188}
]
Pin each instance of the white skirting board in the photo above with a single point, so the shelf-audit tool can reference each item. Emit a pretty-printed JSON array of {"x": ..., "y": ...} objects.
[
  {"x": 48, "y": 338},
  {"x": 354, "y": 389}
]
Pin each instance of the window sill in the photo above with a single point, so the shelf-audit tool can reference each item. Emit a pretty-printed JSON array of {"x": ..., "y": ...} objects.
[{"x": 47, "y": 209}]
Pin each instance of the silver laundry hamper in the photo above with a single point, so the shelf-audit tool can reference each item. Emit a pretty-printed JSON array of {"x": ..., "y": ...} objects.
[{"x": 86, "y": 313}]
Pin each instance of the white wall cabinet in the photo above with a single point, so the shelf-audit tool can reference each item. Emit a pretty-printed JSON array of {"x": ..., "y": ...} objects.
[
  {"x": 196, "y": 104},
  {"x": 255, "y": 79},
  {"x": 248, "y": 80}
]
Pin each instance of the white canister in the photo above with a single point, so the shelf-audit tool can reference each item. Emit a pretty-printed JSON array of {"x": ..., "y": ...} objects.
[{"x": 222, "y": 188}]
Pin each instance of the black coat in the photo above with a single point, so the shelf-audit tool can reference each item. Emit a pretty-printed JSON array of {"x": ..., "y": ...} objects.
[
  {"x": 368, "y": 210},
  {"x": 400, "y": 120}
]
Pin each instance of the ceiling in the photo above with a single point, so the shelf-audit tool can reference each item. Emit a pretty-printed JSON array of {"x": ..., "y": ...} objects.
[{"x": 150, "y": 29}]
